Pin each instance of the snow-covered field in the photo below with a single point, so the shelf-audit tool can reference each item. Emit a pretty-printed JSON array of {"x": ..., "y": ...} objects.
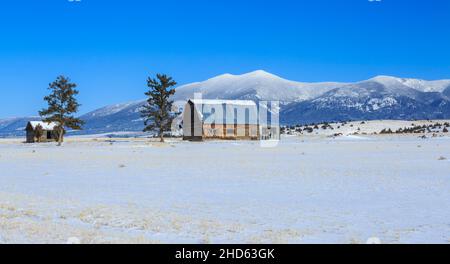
[{"x": 309, "y": 189}]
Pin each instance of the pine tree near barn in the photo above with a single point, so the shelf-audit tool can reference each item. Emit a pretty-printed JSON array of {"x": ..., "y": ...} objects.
[
  {"x": 62, "y": 105},
  {"x": 157, "y": 111}
]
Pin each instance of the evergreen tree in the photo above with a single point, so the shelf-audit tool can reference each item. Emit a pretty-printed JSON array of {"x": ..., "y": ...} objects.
[
  {"x": 157, "y": 111},
  {"x": 62, "y": 104}
]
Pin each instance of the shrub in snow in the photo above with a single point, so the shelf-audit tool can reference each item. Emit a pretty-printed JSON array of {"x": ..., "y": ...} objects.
[
  {"x": 73, "y": 240},
  {"x": 308, "y": 129},
  {"x": 386, "y": 131},
  {"x": 445, "y": 130},
  {"x": 373, "y": 241},
  {"x": 326, "y": 126},
  {"x": 38, "y": 132}
]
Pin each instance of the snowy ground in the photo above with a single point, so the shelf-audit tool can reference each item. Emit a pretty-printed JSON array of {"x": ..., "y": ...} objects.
[{"x": 307, "y": 190}]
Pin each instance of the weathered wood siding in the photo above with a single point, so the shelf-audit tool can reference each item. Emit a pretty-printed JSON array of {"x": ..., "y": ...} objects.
[
  {"x": 220, "y": 131},
  {"x": 31, "y": 137}
]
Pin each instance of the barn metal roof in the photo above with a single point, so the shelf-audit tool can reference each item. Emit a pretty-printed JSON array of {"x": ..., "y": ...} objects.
[
  {"x": 221, "y": 102},
  {"x": 236, "y": 111}
]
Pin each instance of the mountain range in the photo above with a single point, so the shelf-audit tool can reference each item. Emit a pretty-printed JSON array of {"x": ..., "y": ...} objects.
[{"x": 382, "y": 97}]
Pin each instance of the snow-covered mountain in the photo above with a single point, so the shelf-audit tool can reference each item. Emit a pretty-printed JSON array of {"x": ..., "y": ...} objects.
[
  {"x": 257, "y": 85},
  {"x": 420, "y": 85},
  {"x": 15, "y": 126},
  {"x": 118, "y": 117},
  {"x": 382, "y": 97}
]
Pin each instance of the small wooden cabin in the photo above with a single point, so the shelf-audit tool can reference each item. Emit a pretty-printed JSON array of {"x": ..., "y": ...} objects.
[
  {"x": 48, "y": 132},
  {"x": 220, "y": 119}
]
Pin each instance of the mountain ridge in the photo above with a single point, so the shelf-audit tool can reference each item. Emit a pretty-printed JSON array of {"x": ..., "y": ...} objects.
[{"x": 380, "y": 97}]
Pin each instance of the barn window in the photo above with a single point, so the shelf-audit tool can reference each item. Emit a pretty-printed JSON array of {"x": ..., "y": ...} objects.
[{"x": 211, "y": 117}]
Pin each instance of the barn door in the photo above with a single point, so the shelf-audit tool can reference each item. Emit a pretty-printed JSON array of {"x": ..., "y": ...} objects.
[
  {"x": 235, "y": 122},
  {"x": 247, "y": 122}
]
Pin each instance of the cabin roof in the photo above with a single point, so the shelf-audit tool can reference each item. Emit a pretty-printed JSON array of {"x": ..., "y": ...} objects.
[{"x": 44, "y": 125}]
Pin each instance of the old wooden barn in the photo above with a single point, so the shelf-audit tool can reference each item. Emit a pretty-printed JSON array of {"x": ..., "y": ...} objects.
[
  {"x": 38, "y": 131},
  {"x": 223, "y": 119}
]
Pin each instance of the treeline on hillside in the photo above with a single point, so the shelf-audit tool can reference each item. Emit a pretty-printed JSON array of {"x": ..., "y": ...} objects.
[
  {"x": 417, "y": 129},
  {"x": 436, "y": 127}
]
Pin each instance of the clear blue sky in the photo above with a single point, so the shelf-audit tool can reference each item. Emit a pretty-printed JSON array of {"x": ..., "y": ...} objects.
[{"x": 109, "y": 47}]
